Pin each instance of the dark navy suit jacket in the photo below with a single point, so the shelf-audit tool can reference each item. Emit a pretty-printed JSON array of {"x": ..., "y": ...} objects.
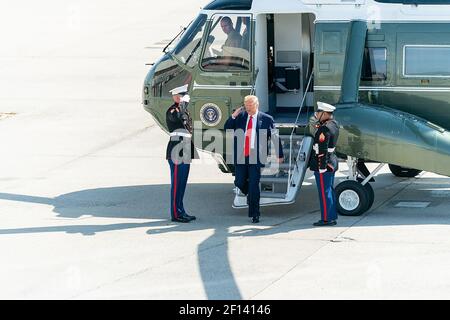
[{"x": 264, "y": 130}]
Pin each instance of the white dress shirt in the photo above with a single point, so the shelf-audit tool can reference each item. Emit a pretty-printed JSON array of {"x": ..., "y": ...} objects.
[{"x": 253, "y": 136}]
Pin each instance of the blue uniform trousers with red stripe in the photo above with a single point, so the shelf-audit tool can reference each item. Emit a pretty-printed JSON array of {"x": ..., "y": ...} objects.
[
  {"x": 327, "y": 197},
  {"x": 179, "y": 174}
]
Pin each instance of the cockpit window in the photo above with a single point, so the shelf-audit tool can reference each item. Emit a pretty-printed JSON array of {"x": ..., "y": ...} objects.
[
  {"x": 189, "y": 47},
  {"x": 228, "y": 44}
]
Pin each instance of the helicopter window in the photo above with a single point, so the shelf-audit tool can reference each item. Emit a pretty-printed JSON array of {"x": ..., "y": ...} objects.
[
  {"x": 374, "y": 66},
  {"x": 430, "y": 61},
  {"x": 228, "y": 44},
  {"x": 189, "y": 47}
]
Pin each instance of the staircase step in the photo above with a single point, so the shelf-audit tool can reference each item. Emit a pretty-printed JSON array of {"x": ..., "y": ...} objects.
[
  {"x": 279, "y": 180},
  {"x": 295, "y": 146},
  {"x": 281, "y": 166},
  {"x": 288, "y": 130},
  {"x": 286, "y": 166},
  {"x": 288, "y": 150},
  {"x": 294, "y": 137},
  {"x": 272, "y": 195},
  {"x": 284, "y": 125}
]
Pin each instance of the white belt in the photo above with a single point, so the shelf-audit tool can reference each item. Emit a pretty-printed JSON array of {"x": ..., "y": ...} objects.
[
  {"x": 316, "y": 149},
  {"x": 181, "y": 134}
]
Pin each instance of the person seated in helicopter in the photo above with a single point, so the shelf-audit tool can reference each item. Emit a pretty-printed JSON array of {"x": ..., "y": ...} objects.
[{"x": 234, "y": 39}]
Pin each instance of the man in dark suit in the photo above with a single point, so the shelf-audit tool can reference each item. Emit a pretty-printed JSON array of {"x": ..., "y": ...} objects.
[{"x": 250, "y": 155}]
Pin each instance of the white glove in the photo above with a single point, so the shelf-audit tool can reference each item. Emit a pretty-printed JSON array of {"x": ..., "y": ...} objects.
[
  {"x": 323, "y": 170},
  {"x": 186, "y": 98},
  {"x": 316, "y": 148}
]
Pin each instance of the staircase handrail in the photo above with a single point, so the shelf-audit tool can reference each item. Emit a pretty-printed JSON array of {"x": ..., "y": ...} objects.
[{"x": 293, "y": 131}]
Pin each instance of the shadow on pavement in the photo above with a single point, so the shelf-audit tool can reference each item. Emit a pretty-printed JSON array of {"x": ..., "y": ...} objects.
[{"x": 211, "y": 203}]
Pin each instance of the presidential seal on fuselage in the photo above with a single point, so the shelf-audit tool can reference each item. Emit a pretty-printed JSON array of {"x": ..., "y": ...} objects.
[{"x": 210, "y": 114}]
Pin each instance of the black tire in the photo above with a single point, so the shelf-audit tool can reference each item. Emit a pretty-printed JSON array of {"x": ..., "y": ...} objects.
[
  {"x": 352, "y": 198},
  {"x": 370, "y": 193},
  {"x": 403, "y": 172}
]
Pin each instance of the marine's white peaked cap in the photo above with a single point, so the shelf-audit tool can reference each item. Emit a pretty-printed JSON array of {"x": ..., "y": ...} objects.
[
  {"x": 179, "y": 90},
  {"x": 322, "y": 106}
]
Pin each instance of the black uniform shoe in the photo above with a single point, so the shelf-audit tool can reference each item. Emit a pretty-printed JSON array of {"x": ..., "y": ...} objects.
[
  {"x": 322, "y": 223},
  {"x": 255, "y": 220},
  {"x": 190, "y": 217},
  {"x": 181, "y": 219}
]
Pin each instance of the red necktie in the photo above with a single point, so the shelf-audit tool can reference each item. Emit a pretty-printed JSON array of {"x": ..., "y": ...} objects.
[{"x": 248, "y": 135}]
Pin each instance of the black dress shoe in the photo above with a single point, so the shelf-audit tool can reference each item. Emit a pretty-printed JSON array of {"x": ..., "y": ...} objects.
[
  {"x": 181, "y": 219},
  {"x": 255, "y": 220},
  {"x": 322, "y": 223},
  {"x": 190, "y": 217}
]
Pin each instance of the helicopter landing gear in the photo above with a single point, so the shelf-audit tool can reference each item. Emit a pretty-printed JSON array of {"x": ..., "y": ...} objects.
[{"x": 355, "y": 195}]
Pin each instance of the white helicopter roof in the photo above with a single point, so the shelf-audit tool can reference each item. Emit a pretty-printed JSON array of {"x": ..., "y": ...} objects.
[{"x": 341, "y": 10}]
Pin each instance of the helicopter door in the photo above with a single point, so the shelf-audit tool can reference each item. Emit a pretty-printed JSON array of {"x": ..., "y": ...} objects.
[{"x": 225, "y": 69}]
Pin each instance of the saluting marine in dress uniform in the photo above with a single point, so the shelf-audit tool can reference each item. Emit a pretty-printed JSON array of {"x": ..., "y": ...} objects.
[
  {"x": 180, "y": 151},
  {"x": 324, "y": 162}
]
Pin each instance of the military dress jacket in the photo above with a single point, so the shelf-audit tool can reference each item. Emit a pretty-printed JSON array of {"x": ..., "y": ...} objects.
[
  {"x": 324, "y": 149},
  {"x": 179, "y": 124}
]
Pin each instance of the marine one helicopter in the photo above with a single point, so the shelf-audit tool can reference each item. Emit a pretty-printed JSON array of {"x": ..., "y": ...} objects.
[{"x": 384, "y": 64}]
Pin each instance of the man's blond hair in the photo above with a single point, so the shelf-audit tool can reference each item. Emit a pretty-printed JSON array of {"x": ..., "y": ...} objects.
[{"x": 253, "y": 99}]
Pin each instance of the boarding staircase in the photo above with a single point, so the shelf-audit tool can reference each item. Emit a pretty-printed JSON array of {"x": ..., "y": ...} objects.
[{"x": 281, "y": 182}]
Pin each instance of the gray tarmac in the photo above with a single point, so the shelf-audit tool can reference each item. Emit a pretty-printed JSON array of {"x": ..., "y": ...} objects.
[{"x": 84, "y": 185}]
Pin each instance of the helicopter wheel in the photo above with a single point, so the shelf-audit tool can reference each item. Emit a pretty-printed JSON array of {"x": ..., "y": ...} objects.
[
  {"x": 370, "y": 192},
  {"x": 353, "y": 199}
]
